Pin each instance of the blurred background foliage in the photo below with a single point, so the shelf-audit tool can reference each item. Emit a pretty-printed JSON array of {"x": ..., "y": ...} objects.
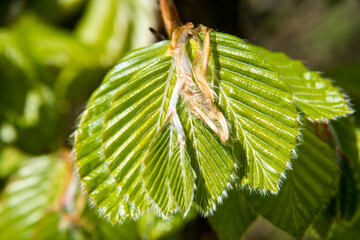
[{"x": 54, "y": 53}]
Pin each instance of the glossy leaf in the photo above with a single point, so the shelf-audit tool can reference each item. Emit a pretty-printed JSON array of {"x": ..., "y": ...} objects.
[
  {"x": 89, "y": 152},
  {"x": 137, "y": 114},
  {"x": 129, "y": 142},
  {"x": 314, "y": 95},
  {"x": 259, "y": 107},
  {"x": 131, "y": 124},
  {"x": 168, "y": 159},
  {"x": 307, "y": 187},
  {"x": 212, "y": 160}
]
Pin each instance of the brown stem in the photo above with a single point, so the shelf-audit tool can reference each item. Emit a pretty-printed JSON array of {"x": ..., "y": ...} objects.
[{"x": 170, "y": 16}]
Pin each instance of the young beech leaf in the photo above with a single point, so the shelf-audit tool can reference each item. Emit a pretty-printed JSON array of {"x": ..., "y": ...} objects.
[
  {"x": 168, "y": 173},
  {"x": 212, "y": 160},
  {"x": 259, "y": 106},
  {"x": 307, "y": 187},
  {"x": 164, "y": 129},
  {"x": 139, "y": 112},
  {"x": 90, "y": 159},
  {"x": 313, "y": 95},
  {"x": 131, "y": 123}
]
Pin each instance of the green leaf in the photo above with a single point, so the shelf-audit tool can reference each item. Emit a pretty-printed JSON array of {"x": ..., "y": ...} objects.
[
  {"x": 307, "y": 188},
  {"x": 89, "y": 152},
  {"x": 233, "y": 216},
  {"x": 27, "y": 198},
  {"x": 138, "y": 112},
  {"x": 146, "y": 143},
  {"x": 348, "y": 158},
  {"x": 130, "y": 125},
  {"x": 259, "y": 106},
  {"x": 314, "y": 95},
  {"x": 168, "y": 172},
  {"x": 212, "y": 160},
  {"x": 325, "y": 220}
]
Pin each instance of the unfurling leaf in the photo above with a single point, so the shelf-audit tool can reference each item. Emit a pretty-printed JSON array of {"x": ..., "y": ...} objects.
[{"x": 178, "y": 123}]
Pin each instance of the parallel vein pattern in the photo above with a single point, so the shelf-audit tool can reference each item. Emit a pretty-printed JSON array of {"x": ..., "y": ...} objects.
[
  {"x": 259, "y": 106},
  {"x": 168, "y": 175},
  {"x": 130, "y": 156},
  {"x": 212, "y": 160},
  {"x": 90, "y": 159},
  {"x": 315, "y": 96},
  {"x": 131, "y": 124},
  {"x": 306, "y": 189}
]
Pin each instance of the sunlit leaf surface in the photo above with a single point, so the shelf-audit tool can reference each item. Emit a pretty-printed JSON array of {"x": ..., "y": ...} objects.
[
  {"x": 89, "y": 152},
  {"x": 153, "y": 138},
  {"x": 314, "y": 95},
  {"x": 259, "y": 106},
  {"x": 306, "y": 188}
]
